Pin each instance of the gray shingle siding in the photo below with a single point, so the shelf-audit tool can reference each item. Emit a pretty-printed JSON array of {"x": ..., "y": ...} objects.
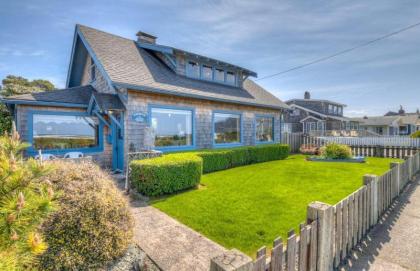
[{"x": 139, "y": 102}]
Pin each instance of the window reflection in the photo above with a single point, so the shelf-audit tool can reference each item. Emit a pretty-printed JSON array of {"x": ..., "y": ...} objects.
[
  {"x": 64, "y": 132},
  {"x": 172, "y": 127}
]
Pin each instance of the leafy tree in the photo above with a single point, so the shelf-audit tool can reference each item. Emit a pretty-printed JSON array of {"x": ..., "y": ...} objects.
[
  {"x": 16, "y": 85},
  {"x": 25, "y": 201}
]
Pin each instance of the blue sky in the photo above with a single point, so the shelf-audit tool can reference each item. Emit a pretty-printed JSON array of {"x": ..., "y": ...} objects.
[{"x": 264, "y": 36}]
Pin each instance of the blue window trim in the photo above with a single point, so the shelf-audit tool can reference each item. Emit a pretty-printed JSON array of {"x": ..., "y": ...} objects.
[
  {"x": 174, "y": 107},
  {"x": 227, "y": 145},
  {"x": 32, "y": 151},
  {"x": 273, "y": 119}
]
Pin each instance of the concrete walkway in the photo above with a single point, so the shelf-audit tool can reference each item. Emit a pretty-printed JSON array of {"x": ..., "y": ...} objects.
[
  {"x": 394, "y": 244},
  {"x": 169, "y": 244}
]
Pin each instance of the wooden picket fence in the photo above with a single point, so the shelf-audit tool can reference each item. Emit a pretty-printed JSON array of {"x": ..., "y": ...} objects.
[
  {"x": 331, "y": 232},
  {"x": 299, "y": 253},
  {"x": 365, "y": 150},
  {"x": 395, "y": 141},
  {"x": 294, "y": 140}
]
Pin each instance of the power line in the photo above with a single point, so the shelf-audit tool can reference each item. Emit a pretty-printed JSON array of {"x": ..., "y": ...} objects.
[{"x": 341, "y": 52}]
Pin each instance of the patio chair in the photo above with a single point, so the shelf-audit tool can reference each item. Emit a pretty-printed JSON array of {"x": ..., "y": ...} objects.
[
  {"x": 73, "y": 155},
  {"x": 45, "y": 157}
]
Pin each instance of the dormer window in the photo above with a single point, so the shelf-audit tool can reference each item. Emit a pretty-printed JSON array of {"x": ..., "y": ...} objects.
[
  {"x": 230, "y": 78},
  {"x": 219, "y": 75},
  {"x": 193, "y": 69},
  {"x": 207, "y": 72}
]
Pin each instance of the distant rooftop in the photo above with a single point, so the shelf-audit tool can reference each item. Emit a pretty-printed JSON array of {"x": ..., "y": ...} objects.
[{"x": 307, "y": 98}]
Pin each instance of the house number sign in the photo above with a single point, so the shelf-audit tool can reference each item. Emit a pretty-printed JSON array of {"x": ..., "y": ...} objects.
[{"x": 139, "y": 117}]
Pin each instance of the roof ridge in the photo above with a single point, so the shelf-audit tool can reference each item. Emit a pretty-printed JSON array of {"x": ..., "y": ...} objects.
[{"x": 104, "y": 32}]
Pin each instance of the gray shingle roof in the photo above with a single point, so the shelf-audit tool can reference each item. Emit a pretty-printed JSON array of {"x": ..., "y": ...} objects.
[
  {"x": 108, "y": 101},
  {"x": 413, "y": 119},
  {"x": 132, "y": 67},
  {"x": 77, "y": 95},
  {"x": 377, "y": 121},
  {"x": 314, "y": 100}
]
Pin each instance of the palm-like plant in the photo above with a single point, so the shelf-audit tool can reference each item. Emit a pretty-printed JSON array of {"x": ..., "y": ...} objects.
[{"x": 25, "y": 201}]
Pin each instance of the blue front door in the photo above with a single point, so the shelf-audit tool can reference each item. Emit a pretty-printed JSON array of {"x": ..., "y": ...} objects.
[{"x": 117, "y": 142}]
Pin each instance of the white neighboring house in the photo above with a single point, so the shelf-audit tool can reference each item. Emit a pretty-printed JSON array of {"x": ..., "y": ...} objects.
[{"x": 402, "y": 125}]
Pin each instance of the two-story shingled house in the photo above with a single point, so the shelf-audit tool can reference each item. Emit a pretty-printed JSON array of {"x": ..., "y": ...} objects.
[
  {"x": 125, "y": 94},
  {"x": 315, "y": 115}
]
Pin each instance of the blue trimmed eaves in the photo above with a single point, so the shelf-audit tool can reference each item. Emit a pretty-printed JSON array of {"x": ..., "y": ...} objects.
[
  {"x": 195, "y": 96},
  {"x": 7, "y": 101},
  {"x": 79, "y": 36}
]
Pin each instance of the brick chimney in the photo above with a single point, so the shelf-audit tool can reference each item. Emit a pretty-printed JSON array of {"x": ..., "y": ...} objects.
[
  {"x": 145, "y": 38},
  {"x": 401, "y": 112},
  {"x": 307, "y": 95}
]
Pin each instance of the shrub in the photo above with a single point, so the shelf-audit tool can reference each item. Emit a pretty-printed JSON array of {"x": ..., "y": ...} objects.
[
  {"x": 92, "y": 226},
  {"x": 336, "y": 151},
  {"x": 166, "y": 174},
  {"x": 266, "y": 153},
  {"x": 241, "y": 156},
  {"x": 216, "y": 160},
  {"x": 179, "y": 171},
  {"x": 25, "y": 201},
  {"x": 415, "y": 134}
]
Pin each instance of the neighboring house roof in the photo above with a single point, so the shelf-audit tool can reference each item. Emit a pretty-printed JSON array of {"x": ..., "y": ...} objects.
[
  {"x": 129, "y": 66},
  {"x": 108, "y": 101},
  {"x": 378, "y": 121},
  {"x": 412, "y": 119},
  {"x": 72, "y": 97},
  {"x": 314, "y": 100},
  {"x": 320, "y": 114}
]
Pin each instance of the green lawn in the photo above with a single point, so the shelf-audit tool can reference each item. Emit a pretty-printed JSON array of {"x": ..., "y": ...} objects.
[{"x": 247, "y": 207}]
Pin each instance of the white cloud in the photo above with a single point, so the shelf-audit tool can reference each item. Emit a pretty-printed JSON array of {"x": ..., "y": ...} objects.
[{"x": 6, "y": 51}]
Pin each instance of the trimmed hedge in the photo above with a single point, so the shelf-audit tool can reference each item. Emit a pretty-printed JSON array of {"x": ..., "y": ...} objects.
[
  {"x": 178, "y": 171},
  {"x": 215, "y": 160},
  {"x": 166, "y": 174}
]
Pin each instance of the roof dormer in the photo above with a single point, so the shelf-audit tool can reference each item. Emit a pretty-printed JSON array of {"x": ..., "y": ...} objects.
[{"x": 195, "y": 66}]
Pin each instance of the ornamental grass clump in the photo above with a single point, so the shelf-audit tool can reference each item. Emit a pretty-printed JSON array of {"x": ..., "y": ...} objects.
[
  {"x": 415, "y": 134},
  {"x": 25, "y": 201},
  {"x": 336, "y": 151},
  {"x": 93, "y": 225}
]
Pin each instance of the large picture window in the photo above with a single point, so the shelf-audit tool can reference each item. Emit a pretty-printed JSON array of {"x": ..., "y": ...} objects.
[
  {"x": 61, "y": 132},
  {"x": 227, "y": 128},
  {"x": 264, "y": 129},
  {"x": 172, "y": 127}
]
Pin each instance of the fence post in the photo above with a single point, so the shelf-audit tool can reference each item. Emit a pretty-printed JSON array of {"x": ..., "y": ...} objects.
[
  {"x": 232, "y": 260},
  {"x": 324, "y": 213},
  {"x": 373, "y": 181},
  {"x": 398, "y": 173}
]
